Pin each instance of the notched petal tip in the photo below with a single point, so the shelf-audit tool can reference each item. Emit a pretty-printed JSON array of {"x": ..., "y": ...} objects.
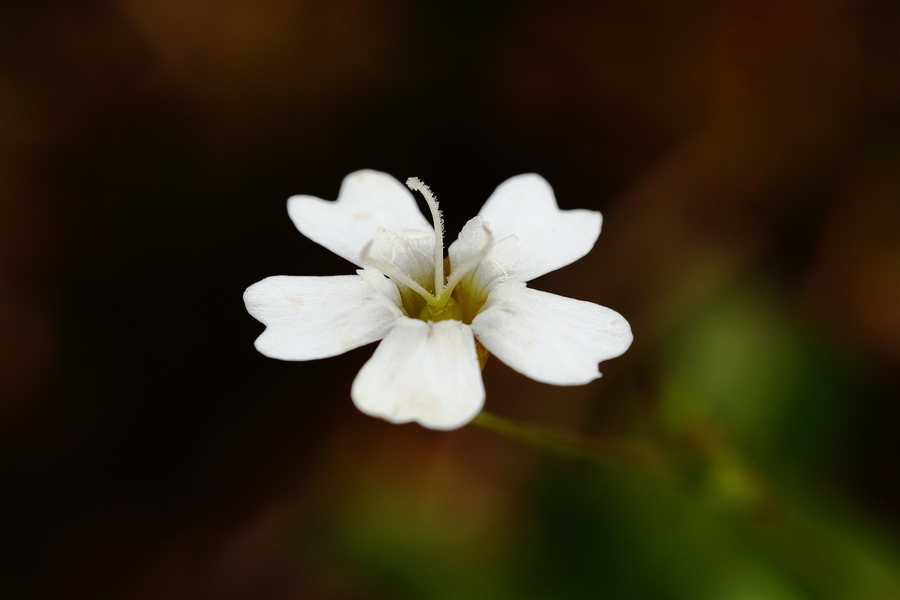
[
  {"x": 427, "y": 373},
  {"x": 307, "y": 318},
  {"x": 367, "y": 200},
  {"x": 550, "y": 238},
  {"x": 550, "y": 338}
]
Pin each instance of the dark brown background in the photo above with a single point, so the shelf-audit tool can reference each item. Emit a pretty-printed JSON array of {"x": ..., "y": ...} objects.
[{"x": 746, "y": 158}]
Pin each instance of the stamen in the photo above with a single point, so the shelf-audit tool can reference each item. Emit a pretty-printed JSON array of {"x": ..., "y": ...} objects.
[
  {"x": 396, "y": 275},
  {"x": 415, "y": 184},
  {"x": 464, "y": 269}
]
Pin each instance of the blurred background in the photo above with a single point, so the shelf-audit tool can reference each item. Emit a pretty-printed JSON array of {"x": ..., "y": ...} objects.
[{"x": 746, "y": 158}]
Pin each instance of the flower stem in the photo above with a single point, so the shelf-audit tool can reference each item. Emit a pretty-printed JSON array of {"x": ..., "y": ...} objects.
[{"x": 609, "y": 452}]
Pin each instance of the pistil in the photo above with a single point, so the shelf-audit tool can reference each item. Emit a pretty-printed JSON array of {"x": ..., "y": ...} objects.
[{"x": 415, "y": 184}]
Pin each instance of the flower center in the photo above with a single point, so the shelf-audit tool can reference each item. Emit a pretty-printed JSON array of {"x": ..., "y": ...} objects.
[{"x": 440, "y": 305}]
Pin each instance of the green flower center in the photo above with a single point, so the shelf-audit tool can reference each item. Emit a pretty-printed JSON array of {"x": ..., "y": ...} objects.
[{"x": 450, "y": 311}]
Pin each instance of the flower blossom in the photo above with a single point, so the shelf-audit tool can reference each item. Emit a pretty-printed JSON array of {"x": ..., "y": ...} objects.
[{"x": 438, "y": 318}]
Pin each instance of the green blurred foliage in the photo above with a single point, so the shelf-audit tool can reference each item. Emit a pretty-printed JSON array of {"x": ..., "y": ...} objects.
[{"x": 744, "y": 369}]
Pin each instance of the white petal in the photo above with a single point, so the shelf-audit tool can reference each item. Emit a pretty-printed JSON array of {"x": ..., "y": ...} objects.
[
  {"x": 379, "y": 283},
  {"x": 550, "y": 338},
  {"x": 367, "y": 200},
  {"x": 411, "y": 253},
  {"x": 470, "y": 243},
  {"x": 317, "y": 317},
  {"x": 425, "y": 372},
  {"x": 491, "y": 272},
  {"x": 548, "y": 238}
]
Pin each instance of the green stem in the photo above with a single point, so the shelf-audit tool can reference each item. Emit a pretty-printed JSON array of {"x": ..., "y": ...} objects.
[{"x": 609, "y": 452}]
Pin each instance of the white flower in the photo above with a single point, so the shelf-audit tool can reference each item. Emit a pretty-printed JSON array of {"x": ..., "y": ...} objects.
[{"x": 435, "y": 326}]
